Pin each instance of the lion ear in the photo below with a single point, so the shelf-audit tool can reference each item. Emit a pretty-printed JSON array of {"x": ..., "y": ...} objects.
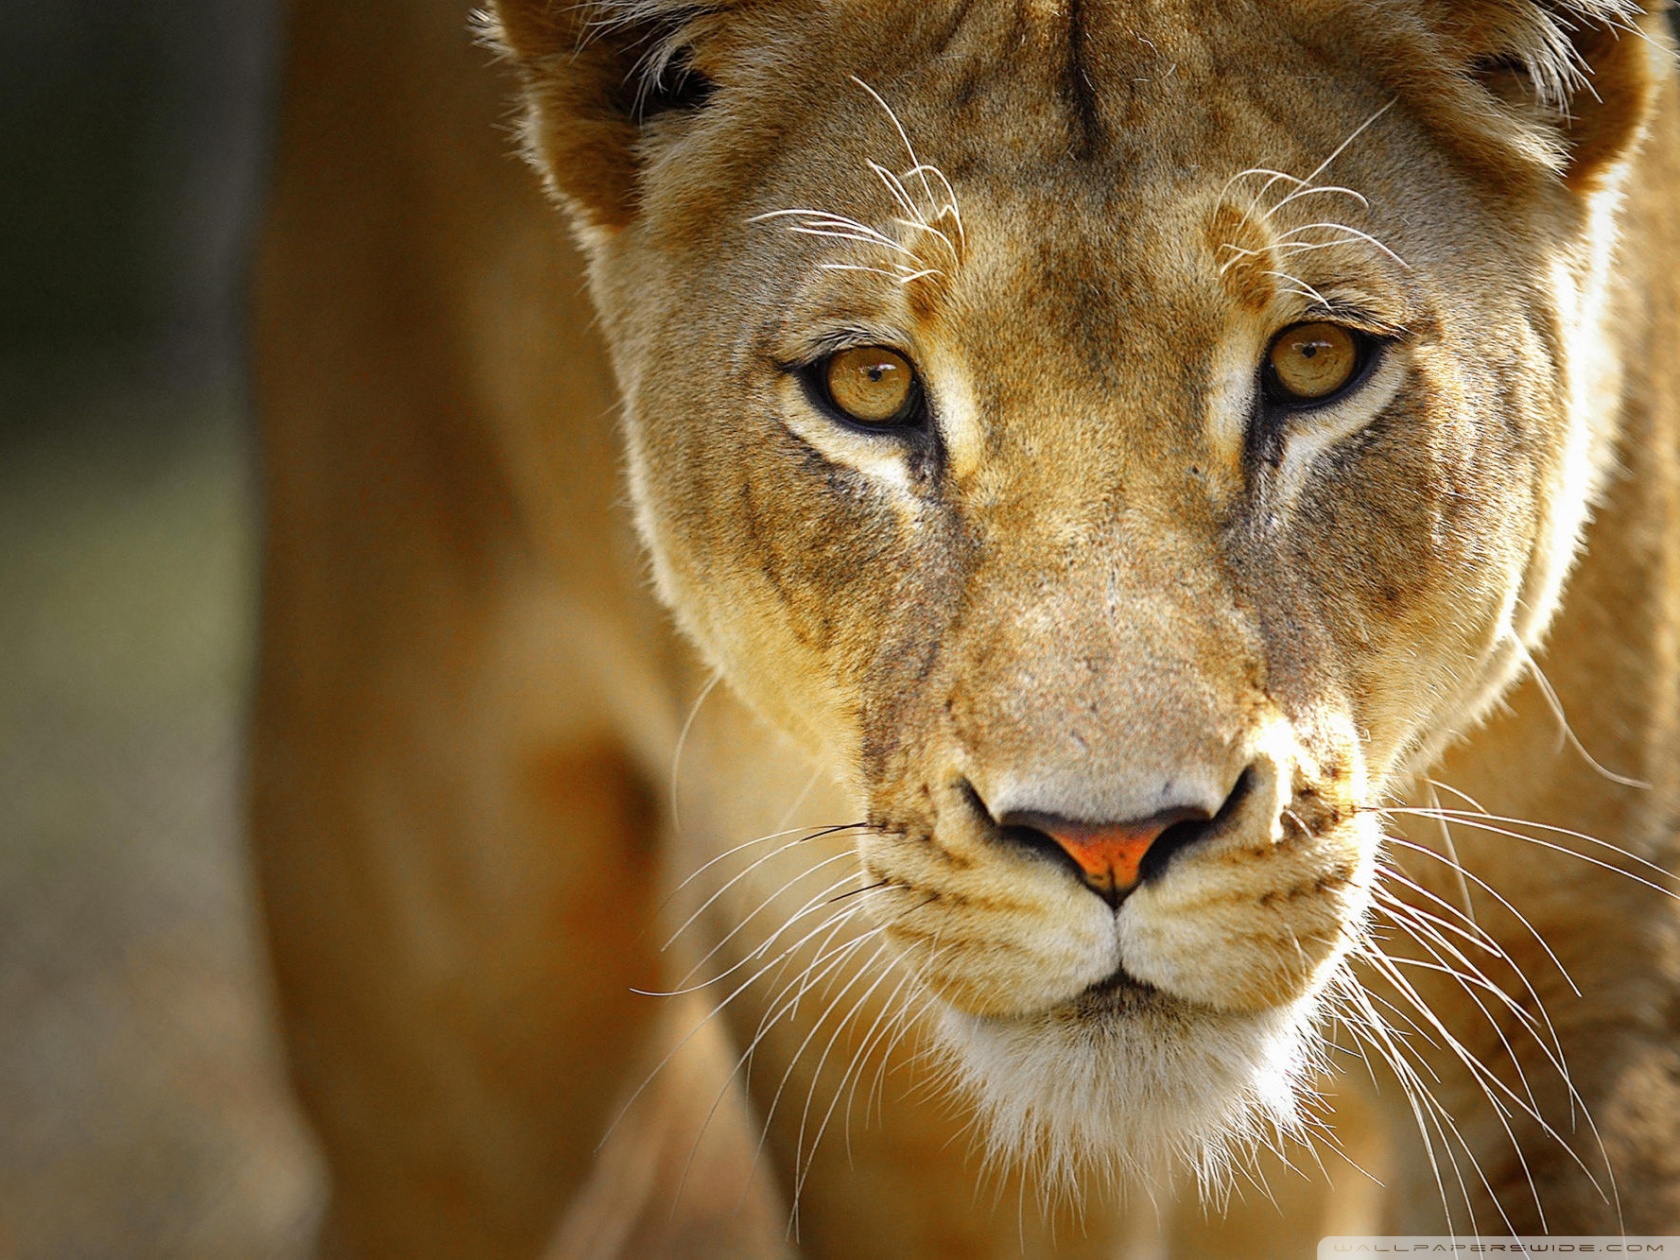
[
  {"x": 1624, "y": 69},
  {"x": 1578, "y": 78},
  {"x": 593, "y": 73}
]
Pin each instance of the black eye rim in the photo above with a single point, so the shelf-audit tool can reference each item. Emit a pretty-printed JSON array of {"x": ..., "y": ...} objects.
[
  {"x": 1368, "y": 347},
  {"x": 911, "y": 419}
]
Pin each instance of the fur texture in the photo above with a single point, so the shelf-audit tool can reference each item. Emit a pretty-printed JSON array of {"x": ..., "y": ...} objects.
[{"x": 1107, "y": 576}]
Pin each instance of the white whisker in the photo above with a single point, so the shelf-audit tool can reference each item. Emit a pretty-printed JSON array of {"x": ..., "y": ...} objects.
[
  {"x": 1316, "y": 190},
  {"x": 1299, "y": 286},
  {"x": 816, "y": 1079},
  {"x": 682, "y": 742},
  {"x": 742, "y": 874},
  {"x": 819, "y": 901},
  {"x": 1475, "y": 936},
  {"x": 764, "y": 839},
  {"x": 1493, "y": 892},
  {"x": 1484, "y": 824},
  {"x": 1554, "y": 703},
  {"x": 1328, "y": 226},
  {"x": 1492, "y": 1087},
  {"x": 1452, "y": 852},
  {"x": 1343, "y": 146},
  {"x": 774, "y": 1012},
  {"x": 916, "y": 163}
]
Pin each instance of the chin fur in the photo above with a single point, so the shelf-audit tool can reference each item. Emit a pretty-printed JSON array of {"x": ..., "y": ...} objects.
[{"x": 1123, "y": 1087}]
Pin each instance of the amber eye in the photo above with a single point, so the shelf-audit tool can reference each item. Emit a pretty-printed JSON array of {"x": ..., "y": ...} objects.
[
  {"x": 870, "y": 385},
  {"x": 1310, "y": 362}
]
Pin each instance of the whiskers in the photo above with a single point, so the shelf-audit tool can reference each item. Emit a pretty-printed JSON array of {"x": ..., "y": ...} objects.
[
  {"x": 1261, "y": 205},
  {"x": 1566, "y": 731},
  {"x": 925, "y": 239},
  {"x": 1598, "y": 852},
  {"x": 1502, "y": 1032},
  {"x": 805, "y": 952}
]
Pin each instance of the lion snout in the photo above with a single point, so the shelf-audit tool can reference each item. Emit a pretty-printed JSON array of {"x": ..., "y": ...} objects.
[{"x": 1236, "y": 899}]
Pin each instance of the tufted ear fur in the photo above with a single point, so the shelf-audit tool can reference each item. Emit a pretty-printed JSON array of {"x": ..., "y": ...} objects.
[
  {"x": 596, "y": 74},
  {"x": 1565, "y": 85}
]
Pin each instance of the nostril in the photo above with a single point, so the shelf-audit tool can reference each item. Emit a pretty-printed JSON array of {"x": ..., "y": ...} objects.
[
  {"x": 1171, "y": 842},
  {"x": 1040, "y": 842},
  {"x": 1185, "y": 833}
]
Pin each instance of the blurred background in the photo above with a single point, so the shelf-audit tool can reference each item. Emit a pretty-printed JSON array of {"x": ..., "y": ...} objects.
[{"x": 143, "y": 1111}]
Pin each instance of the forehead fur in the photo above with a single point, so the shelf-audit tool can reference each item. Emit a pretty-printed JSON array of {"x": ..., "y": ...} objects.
[{"x": 1431, "y": 51}]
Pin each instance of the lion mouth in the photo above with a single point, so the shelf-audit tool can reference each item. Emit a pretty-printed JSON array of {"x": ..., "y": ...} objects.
[{"x": 1117, "y": 994}]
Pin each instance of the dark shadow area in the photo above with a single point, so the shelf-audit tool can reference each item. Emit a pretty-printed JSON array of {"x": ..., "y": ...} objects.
[{"x": 142, "y": 1105}]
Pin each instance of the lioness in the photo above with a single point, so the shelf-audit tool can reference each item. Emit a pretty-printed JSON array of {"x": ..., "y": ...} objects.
[{"x": 1174, "y": 514}]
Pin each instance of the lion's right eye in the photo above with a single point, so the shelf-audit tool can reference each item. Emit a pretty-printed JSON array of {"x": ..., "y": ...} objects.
[{"x": 871, "y": 385}]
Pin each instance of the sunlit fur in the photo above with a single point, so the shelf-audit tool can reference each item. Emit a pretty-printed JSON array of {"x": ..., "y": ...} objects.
[
  {"x": 1128, "y": 1094},
  {"x": 1109, "y": 585}
]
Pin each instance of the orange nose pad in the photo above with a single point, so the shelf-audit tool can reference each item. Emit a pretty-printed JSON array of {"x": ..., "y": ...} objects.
[{"x": 1112, "y": 856}]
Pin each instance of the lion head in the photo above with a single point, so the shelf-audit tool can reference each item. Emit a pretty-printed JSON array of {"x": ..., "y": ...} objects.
[{"x": 1121, "y": 441}]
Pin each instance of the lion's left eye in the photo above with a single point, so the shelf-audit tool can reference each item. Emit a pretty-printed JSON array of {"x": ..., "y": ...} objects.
[
  {"x": 1312, "y": 363},
  {"x": 871, "y": 386}
]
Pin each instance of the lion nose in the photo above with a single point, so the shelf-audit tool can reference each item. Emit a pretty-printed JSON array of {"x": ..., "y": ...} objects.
[{"x": 1111, "y": 856}]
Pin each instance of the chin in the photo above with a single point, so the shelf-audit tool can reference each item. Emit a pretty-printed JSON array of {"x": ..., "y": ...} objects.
[{"x": 1126, "y": 1085}]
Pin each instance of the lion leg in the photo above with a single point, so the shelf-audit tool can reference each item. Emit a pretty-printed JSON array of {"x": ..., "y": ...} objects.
[
  {"x": 456, "y": 920},
  {"x": 1587, "y": 976},
  {"x": 459, "y": 669},
  {"x": 680, "y": 1176}
]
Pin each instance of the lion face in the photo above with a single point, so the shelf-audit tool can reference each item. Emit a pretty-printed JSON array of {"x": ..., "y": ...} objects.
[{"x": 1119, "y": 446}]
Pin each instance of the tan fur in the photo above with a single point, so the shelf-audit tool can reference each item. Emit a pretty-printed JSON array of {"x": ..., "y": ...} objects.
[{"x": 1101, "y": 588}]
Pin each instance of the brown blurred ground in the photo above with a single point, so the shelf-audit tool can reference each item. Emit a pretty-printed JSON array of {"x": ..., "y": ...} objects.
[{"x": 142, "y": 1112}]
